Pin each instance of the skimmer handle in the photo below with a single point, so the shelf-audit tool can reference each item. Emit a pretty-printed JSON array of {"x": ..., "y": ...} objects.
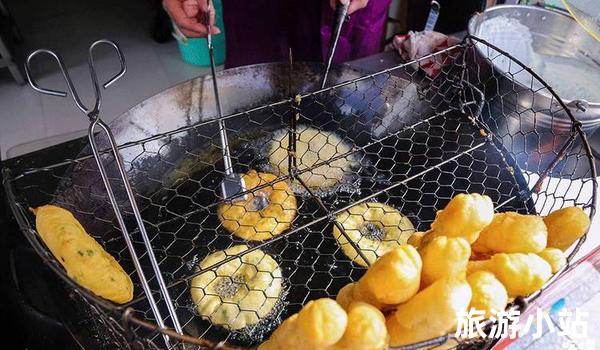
[{"x": 339, "y": 17}]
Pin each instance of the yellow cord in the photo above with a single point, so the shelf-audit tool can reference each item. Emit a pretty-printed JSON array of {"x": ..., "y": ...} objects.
[{"x": 588, "y": 28}]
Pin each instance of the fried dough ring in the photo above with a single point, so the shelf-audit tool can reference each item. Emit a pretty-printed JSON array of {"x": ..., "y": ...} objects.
[
  {"x": 240, "y": 292},
  {"x": 313, "y": 146},
  {"x": 393, "y": 229},
  {"x": 248, "y": 220}
]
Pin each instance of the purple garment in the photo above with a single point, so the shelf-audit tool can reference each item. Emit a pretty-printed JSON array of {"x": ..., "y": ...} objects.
[
  {"x": 259, "y": 31},
  {"x": 361, "y": 34}
]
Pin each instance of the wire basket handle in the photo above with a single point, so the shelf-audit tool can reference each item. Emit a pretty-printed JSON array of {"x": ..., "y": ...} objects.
[{"x": 96, "y": 122}]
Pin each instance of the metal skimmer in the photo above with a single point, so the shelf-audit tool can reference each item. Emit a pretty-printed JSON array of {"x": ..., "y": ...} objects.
[{"x": 232, "y": 186}]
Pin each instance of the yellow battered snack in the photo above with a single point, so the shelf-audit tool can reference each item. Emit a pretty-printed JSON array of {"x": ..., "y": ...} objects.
[
  {"x": 84, "y": 259},
  {"x": 375, "y": 228},
  {"x": 565, "y": 226},
  {"x": 320, "y": 324},
  {"x": 353, "y": 292},
  {"x": 415, "y": 239},
  {"x": 512, "y": 232},
  {"x": 240, "y": 292},
  {"x": 464, "y": 216},
  {"x": 313, "y": 146},
  {"x": 345, "y": 296},
  {"x": 489, "y": 294},
  {"x": 521, "y": 274},
  {"x": 424, "y": 290},
  {"x": 444, "y": 256},
  {"x": 323, "y": 325},
  {"x": 366, "y": 329},
  {"x": 265, "y": 213},
  {"x": 430, "y": 313},
  {"x": 554, "y": 257},
  {"x": 285, "y": 337},
  {"x": 392, "y": 279}
]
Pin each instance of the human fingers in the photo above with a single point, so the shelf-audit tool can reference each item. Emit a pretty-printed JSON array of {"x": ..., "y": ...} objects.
[
  {"x": 191, "y": 8},
  {"x": 185, "y": 16},
  {"x": 356, "y": 5},
  {"x": 333, "y": 3},
  {"x": 199, "y": 34},
  {"x": 206, "y": 6}
]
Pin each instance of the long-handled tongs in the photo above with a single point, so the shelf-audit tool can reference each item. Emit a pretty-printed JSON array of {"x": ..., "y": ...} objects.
[
  {"x": 339, "y": 17},
  {"x": 232, "y": 183},
  {"x": 96, "y": 122}
]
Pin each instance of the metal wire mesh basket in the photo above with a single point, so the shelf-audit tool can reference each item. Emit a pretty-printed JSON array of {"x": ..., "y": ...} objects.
[{"x": 397, "y": 137}]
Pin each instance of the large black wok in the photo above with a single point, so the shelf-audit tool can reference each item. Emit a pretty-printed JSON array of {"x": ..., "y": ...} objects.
[{"x": 416, "y": 150}]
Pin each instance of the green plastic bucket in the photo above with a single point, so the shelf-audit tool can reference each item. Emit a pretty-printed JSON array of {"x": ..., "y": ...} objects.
[{"x": 194, "y": 51}]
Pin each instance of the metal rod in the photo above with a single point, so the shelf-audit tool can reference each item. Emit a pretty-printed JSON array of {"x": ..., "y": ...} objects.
[
  {"x": 426, "y": 343},
  {"x": 341, "y": 10},
  {"x": 410, "y": 178},
  {"x": 121, "y": 222},
  {"x": 537, "y": 187},
  {"x": 594, "y": 180},
  {"x": 138, "y": 217},
  {"x": 129, "y": 317},
  {"x": 294, "y": 110},
  {"x": 213, "y": 71},
  {"x": 339, "y": 226},
  {"x": 500, "y": 205}
]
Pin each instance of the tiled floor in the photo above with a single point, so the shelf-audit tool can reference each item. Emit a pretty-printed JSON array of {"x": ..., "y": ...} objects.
[{"x": 69, "y": 26}]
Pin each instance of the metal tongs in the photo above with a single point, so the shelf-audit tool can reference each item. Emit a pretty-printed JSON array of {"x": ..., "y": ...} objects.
[
  {"x": 339, "y": 17},
  {"x": 96, "y": 122},
  {"x": 233, "y": 183}
]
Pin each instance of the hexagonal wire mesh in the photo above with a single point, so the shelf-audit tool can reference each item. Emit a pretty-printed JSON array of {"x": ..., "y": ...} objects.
[{"x": 327, "y": 174}]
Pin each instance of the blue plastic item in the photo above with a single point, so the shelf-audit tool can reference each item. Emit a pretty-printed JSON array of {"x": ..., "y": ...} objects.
[{"x": 194, "y": 51}]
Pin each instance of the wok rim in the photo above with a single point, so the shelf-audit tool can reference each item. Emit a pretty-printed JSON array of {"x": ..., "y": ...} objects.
[{"x": 471, "y": 31}]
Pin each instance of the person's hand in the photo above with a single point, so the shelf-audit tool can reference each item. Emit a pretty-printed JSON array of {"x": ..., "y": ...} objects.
[
  {"x": 188, "y": 15},
  {"x": 354, "y": 4}
]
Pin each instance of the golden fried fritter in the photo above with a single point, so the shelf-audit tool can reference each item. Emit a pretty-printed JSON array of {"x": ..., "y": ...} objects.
[
  {"x": 444, "y": 256},
  {"x": 365, "y": 331},
  {"x": 489, "y": 294},
  {"x": 322, "y": 322},
  {"x": 84, "y": 259},
  {"x": 521, "y": 274},
  {"x": 565, "y": 226},
  {"x": 555, "y": 257},
  {"x": 430, "y": 313},
  {"x": 512, "y": 232},
  {"x": 464, "y": 216},
  {"x": 394, "y": 278}
]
